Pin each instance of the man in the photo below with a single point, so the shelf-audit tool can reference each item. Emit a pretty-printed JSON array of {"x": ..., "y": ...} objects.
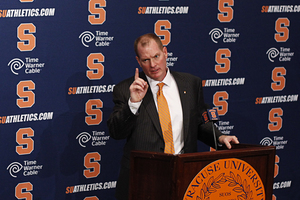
[{"x": 136, "y": 116}]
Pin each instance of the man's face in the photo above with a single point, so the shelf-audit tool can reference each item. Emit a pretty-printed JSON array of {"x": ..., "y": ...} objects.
[{"x": 153, "y": 60}]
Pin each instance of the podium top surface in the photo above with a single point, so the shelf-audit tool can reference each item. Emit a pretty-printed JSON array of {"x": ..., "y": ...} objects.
[{"x": 236, "y": 150}]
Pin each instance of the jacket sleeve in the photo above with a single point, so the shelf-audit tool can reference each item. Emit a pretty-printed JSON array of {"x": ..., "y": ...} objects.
[
  {"x": 121, "y": 121},
  {"x": 206, "y": 134}
]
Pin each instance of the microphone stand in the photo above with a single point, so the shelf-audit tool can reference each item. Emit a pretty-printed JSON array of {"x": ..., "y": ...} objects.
[{"x": 215, "y": 138}]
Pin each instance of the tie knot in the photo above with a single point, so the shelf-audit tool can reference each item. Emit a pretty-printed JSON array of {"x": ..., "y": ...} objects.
[{"x": 160, "y": 85}]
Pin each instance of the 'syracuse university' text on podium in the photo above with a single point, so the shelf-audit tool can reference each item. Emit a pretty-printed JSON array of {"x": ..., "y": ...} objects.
[{"x": 244, "y": 172}]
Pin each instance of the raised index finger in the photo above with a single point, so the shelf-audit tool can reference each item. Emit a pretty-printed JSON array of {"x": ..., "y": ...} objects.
[{"x": 136, "y": 76}]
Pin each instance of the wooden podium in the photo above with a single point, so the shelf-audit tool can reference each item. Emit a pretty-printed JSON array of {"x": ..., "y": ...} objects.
[{"x": 163, "y": 176}]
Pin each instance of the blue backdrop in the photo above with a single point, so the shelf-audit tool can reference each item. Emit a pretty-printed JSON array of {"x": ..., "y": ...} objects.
[{"x": 61, "y": 59}]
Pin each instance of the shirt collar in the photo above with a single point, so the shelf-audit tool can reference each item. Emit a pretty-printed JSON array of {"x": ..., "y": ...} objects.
[{"x": 167, "y": 80}]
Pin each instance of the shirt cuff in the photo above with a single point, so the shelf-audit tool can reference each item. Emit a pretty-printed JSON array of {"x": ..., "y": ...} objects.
[{"x": 134, "y": 107}]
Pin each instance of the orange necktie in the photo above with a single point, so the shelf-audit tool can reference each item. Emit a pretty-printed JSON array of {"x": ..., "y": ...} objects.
[{"x": 165, "y": 120}]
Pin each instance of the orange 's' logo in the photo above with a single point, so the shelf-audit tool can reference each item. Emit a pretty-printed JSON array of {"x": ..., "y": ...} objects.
[
  {"x": 278, "y": 74},
  {"x": 96, "y": 71},
  {"x": 92, "y": 165},
  {"x": 98, "y": 13},
  {"x": 226, "y": 178},
  {"x": 95, "y": 115},
  {"x": 27, "y": 96},
  {"x": 23, "y": 191},
  {"x": 220, "y": 101},
  {"x": 275, "y": 118},
  {"x": 226, "y": 11},
  {"x": 161, "y": 28},
  {"x": 224, "y": 63},
  {"x": 281, "y": 27},
  {"x": 27, "y": 39}
]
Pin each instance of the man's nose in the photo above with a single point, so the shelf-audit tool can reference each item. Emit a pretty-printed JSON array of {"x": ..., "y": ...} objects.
[{"x": 152, "y": 63}]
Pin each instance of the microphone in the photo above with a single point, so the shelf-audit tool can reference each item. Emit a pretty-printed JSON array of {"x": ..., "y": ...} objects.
[{"x": 211, "y": 115}]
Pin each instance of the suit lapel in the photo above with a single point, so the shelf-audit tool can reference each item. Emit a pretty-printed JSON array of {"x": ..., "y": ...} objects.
[
  {"x": 184, "y": 97},
  {"x": 149, "y": 105}
]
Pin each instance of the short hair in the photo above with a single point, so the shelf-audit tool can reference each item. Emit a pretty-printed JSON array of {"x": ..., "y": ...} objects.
[{"x": 145, "y": 40}]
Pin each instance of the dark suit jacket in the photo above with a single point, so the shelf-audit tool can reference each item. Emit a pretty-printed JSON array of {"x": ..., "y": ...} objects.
[{"x": 143, "y": 131}]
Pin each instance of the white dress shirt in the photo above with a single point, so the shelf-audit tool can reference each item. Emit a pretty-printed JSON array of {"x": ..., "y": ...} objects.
[{"x": 171, "y": 93}]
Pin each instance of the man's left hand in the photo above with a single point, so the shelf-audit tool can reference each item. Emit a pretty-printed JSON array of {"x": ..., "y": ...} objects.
[{"x": 228, "y": 140}]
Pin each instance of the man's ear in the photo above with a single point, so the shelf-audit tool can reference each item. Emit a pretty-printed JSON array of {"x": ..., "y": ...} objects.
[
  {"x": 165, "y": 51},
  {"x": 138, "y": 60}
]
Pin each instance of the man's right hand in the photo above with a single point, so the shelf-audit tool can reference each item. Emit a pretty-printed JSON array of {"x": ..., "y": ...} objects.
[{"x": 138, "y": 88}]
